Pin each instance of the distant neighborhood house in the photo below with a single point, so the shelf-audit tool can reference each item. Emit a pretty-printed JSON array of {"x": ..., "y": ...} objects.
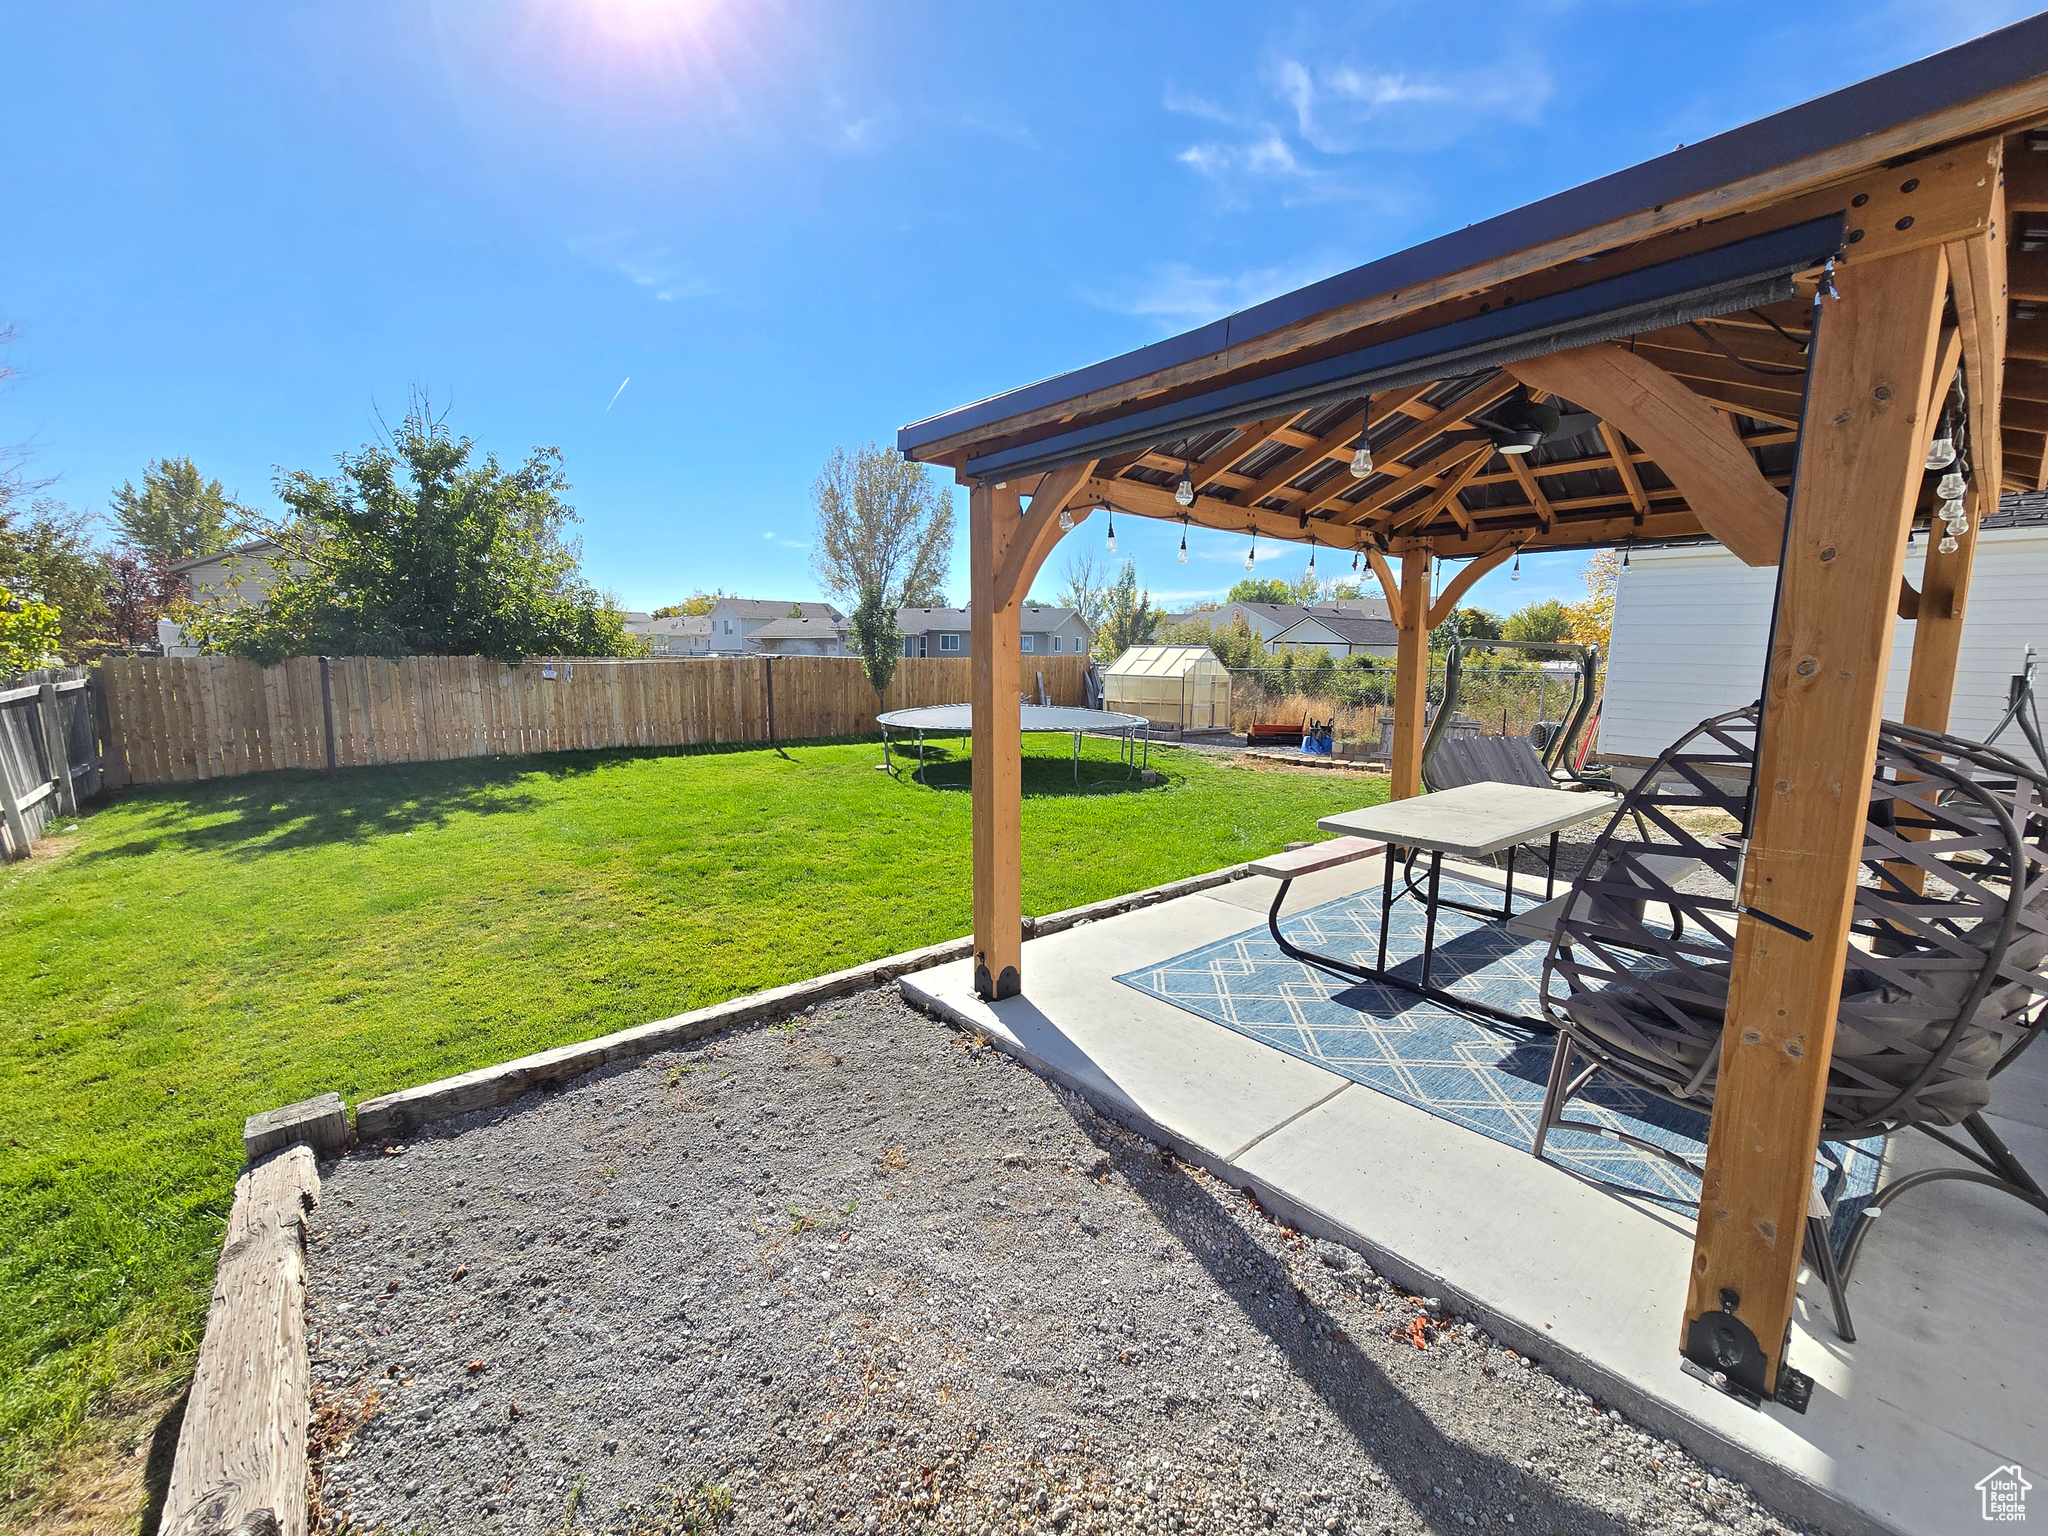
[
  {"x": 1341, "y": 634},
  {"x": 736, "y": 620},
  {"x": 944, "y": 631},
  {"x": 229, "y": 578},
  {"x": 1363, "y": 625},
  {"x": 681, "y": 636},
  {"x": 801, "y": 637}
]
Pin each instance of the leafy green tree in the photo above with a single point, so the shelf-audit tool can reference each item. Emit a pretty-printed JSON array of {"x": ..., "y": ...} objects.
[
  {"x": 1592, "y": 622},
  {"x": 872, "y": 628},
  {"x": 419, "y": 547},
  {"x": 48, "y": 557},
  {"x": 1470, "y": 624},
  {"x": 1128, "y": 617},
  {"x": 177, "y": 514},
  {"x": 1236, "y": 645},
  {"x": 28, "y": 634},
  {"x": 882, "y": 521},
  {"x": 1260, "y": 589},
  {"x": 1547, "y": 620},
  {"x": 1303, "y": 591},
  {"x": 697, "y": 604}
]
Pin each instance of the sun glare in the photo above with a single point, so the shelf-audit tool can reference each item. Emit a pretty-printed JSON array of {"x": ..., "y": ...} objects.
[{"x": 648, "y": 21}]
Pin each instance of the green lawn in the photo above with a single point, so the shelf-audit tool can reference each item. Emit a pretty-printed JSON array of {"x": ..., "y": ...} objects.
[{"x": 191, "y": 955}]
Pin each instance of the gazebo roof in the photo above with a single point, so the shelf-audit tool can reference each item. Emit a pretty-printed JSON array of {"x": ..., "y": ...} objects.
[{"x": 1702, "y": 264}]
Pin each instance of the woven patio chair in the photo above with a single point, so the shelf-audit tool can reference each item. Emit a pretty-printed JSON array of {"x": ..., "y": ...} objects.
[{"x": 1944, "y": 984}]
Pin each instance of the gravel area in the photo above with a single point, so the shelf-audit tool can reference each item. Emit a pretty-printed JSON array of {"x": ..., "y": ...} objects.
[{"x": 858, "y": 1272}]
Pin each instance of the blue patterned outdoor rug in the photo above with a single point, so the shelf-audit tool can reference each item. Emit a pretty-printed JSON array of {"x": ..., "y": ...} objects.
[{"x": 1488, "y": 1078}]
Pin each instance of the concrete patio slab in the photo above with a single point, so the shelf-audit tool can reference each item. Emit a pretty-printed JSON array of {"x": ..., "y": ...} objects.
[{"x": 1941, "y": 1387}]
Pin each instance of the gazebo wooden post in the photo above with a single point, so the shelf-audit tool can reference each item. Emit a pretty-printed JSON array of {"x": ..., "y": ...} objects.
[
  {"x": 1978, "y": 272},
  {"x": 1410, "y": 607},
  {"x": 1864, "y": 436},
  {"x": 1006, "y": 546},
  {"x": 994, "y": 638}
]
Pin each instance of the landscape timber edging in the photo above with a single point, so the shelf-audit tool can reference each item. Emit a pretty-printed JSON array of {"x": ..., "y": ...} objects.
[
  {"x": 391, "y": 1116},
  {"x": 240, "y": 1463}
]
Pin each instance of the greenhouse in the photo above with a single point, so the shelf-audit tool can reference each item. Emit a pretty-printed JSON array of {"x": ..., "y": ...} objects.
[{"x": 1175, "y": 687}]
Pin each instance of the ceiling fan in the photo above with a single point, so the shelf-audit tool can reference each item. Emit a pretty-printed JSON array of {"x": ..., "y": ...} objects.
[{"x": 1518, "y": 424}]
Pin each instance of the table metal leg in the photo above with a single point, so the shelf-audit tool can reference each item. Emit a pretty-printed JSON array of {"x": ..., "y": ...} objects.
[
  {"x": 1381, "y": 975},
  {"x": 1386, "y": 902},
  {"x": 1550, "y": 880},
  {"x": 1436, "y": 865},
  {"x": 1507, "y": 902}
]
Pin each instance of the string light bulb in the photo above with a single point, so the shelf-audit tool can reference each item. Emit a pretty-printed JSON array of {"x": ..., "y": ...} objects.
[
  {"x": 1952, "y": 486},
  {"x": 1515, "y": 572},
  {"x": 1066, "y": 521},
  {"x": 1112, "y": 530},
  {"x": 1183, "y": 541},
  {"x": 1624, "y": 557},
  {"x": 1949, "y": 545},
  {"x": 1184, "y": 493},
  {"x": 1361, "y": 451},
  {"x": 1942, "y": 451},
  {"x": 1311, "y": 554},
  {"x": 1251, "y": 553}
]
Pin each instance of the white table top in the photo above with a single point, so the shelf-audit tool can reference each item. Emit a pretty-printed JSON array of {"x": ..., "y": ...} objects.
[{"x": 1473, "y": 821}]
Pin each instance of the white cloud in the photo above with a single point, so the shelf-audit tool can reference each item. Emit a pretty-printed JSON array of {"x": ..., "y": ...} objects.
[
  {"x": 1343, "y": 108},
  {"x": 653, "y": 267},
  {"x": 1299, "y": 135},
  {"x": 1176, "y": 292},
  {"x": 784, "y": 543}
]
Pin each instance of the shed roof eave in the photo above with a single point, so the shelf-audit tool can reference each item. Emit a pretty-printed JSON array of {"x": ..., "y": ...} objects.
[{"x": 1978, "y": 70}]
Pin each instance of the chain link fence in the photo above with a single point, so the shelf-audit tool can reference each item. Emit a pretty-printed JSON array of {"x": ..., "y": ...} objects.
[{"x": 1359, "y": 701}]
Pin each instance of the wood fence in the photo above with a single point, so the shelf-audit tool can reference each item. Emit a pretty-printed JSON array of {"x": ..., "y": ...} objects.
[
  {"x": 49, "y": 757},
  {"x": 172, "y": 719}
]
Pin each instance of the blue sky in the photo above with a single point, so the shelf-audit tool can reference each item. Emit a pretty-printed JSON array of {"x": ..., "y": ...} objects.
[{"x": 238, "y": 231}]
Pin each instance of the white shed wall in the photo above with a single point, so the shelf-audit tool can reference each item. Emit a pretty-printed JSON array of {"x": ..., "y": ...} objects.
[{"x": 1691, "y": 624}]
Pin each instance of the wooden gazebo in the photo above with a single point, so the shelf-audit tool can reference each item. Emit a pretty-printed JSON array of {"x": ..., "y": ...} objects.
[{"x": 1755, "y": 338}]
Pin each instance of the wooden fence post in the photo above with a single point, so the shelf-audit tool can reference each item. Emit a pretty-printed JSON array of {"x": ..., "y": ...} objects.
[
  {"x": 56, "y": 749},
  {"x": 327, "y": 712}
]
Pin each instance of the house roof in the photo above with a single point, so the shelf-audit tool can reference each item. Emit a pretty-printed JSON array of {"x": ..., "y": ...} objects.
[
  {"x": 1351, "y": 628},
  {"x": 2021, "y": 509},
  {"x": 919, "y": 621},
  {"x": 820, "y": 628},
  {"x": 684, "y": 626},
  {"x": 253, "y": 547},
  {"x": 751, "y": 608}
]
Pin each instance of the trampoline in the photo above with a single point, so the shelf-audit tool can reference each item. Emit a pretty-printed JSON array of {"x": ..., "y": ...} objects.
[{"x": 1038, "y": 720}]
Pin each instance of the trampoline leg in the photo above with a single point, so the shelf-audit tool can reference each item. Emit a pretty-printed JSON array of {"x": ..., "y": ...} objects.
[{"x": 1077, "y": 757}]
